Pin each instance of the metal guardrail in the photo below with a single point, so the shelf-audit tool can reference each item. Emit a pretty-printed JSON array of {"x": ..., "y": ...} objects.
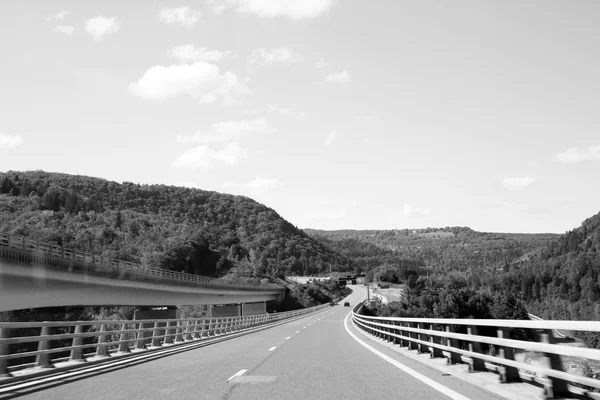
[
  {"x": 93, "y": 263},
  {"x": 447, "y": 338},
  {"x": 86, "y": 340}
]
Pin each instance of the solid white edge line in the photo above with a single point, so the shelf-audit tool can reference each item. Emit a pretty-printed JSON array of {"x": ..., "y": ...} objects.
[
  {"x": 430, "y": 382},
  {"x": 272, "y": 348},
  {"x": 239, "y": 373}
]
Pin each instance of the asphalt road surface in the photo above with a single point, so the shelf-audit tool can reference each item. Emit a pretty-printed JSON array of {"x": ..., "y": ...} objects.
[{"x": 315, "y": 357}]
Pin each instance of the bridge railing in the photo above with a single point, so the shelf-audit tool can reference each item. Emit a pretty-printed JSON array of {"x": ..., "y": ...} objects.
[
  {"x": 97, "y": 263},
  {"x": 27, "y": 345},
  {"x": 459, "y": 341}
]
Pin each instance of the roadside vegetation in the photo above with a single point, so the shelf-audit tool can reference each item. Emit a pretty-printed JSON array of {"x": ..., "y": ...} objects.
[
  {"x": 176, "y": 228},
  {"x": 313, "y": 293},
  {"x": 559, "y": 280}
]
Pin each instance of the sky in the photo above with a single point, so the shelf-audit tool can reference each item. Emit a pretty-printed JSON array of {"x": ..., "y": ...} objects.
[{"x": 337, "y": 114}]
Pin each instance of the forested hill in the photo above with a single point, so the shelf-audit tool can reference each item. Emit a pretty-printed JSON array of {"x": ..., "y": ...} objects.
[
  {"x": 441, "y": 249},
  {"x": 181, "y": 229},
  {"x": 561, "y": 281}
]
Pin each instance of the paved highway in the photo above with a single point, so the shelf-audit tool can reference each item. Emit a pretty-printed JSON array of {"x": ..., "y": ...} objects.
[{"x": 316, "y": 357}]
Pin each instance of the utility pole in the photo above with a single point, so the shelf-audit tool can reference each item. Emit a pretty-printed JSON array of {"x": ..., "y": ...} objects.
[{"x": 329, "y": 271}]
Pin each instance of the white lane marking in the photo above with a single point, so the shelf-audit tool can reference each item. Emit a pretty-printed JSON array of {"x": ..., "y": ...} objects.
[
  {"x": 272, "y": 348},
  {"x": 239, "y": 373},
  {"x": 287, "y": 337},
  {"x": 109, "y": 365},
  {"x": 440, "y": 388},
  {"x": 304, "y": 328}
]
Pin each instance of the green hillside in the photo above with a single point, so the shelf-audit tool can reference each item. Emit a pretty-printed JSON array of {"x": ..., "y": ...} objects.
[
  {"x": 181, "y": 229},
  {"x": 437, "y": 249}
]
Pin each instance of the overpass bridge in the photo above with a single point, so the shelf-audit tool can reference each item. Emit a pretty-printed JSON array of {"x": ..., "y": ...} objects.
[
  {"x": 35, "y": 274},
  {"x": 319, "y": 353}
]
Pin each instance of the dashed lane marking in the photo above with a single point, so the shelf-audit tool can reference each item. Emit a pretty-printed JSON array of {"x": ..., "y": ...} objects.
[
  {"x": 287, "y": 337},
  {"x": 272, "y": 348},
  {"x": 239, "y": 373}
]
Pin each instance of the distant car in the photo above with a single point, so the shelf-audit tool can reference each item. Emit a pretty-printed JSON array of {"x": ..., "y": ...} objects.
[
  {"x": 332, "y": 303},
  {"x": 346, "y": 304}
]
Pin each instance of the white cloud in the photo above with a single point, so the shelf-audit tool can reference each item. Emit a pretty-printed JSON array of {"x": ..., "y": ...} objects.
[
  {"x": 101, "y": 26},
  {"x": 329, "y": 138},
  {"x": 189, "y": 53},
  {"x": 410, "y": 212},
  {"x": 200, "y": 79},
  {"x": 279, "y": 110},
  {"x": 68, "y": 30},
  {"x": 286, "y": 111},
  {"x": 342, "y": 77},
  {"x": 322, "y": 64},
  {"x": 59, "y": 15},
  {"x": 574, "y": 155},
  {"x": 226, "y": 130},
  {"x": 180, "y": 15},
  {"x": 206, "y": 158},
  {"x": 10, "y": 141},
  {"x": 517, "y": 182},
  {"x": 341, "y": 213},
  {"x": 218, "y": 6},
  {"x": 292, "y": 9},
  {"x": 279, "y": 55}
]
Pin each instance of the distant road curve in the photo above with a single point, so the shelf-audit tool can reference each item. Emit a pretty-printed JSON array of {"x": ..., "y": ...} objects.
[{"x": 556, "y": 333}]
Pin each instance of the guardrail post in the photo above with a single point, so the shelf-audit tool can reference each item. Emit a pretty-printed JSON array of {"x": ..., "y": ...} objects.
[
  {"x": 388, "y": 337},
  {"x": 4, "y": 334},
  {"x": 197, "y": 329},
  {"x": 140, "y": 340},
  {"x": 124, "y": 345},
  {"x": 507, "y": 374},
  {"x": 168, "y": 333},
  {"x": 77, "y": 352},
  {"x": 178, "y": 336},
  {"x": 453, "y": 358},
  {"x": 204, "y": 330},
  {"x": 101, "y": 351},
  {"x": 422, "y": 348},
  {"x": 434, "y": 352},
  {"x": 396, "y": 340},
  {"x": 43, "y": 360},
  {"x": 188, "y": 330},
  {"x": 155, "y": 336},
  {"x": 556, "y": 386},
  {"x": 412, "y": 345},
  {"x": 476, "y": 364},
  {"x": 403, "y": 342}
]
